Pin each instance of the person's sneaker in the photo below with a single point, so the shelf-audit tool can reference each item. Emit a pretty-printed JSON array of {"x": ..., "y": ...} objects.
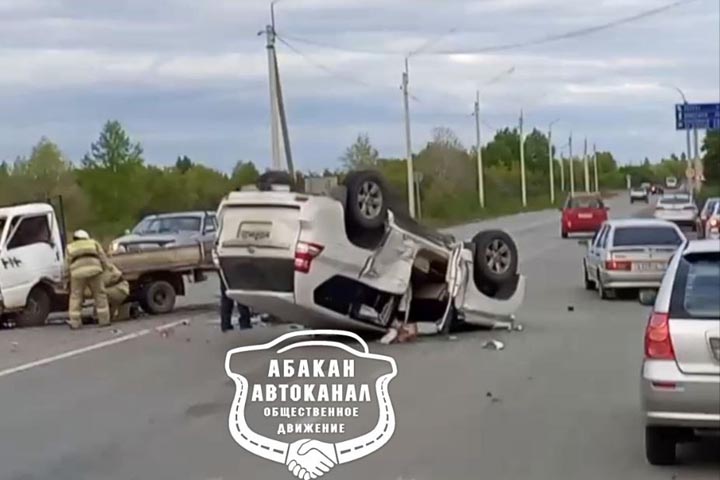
[{"x": 226, "y": 328}]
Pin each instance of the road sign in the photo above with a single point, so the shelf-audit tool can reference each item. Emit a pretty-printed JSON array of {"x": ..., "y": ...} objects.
[
  {"x": 702, "y": 116},
  {"x": 690, "y": 172}
]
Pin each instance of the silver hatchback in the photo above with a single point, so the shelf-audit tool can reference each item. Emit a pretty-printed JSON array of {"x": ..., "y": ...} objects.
[
  {"x": 680, "y": 383},
  {"x": 630, "y": 254}
]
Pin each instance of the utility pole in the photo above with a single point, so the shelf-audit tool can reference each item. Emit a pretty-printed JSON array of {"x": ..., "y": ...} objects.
[
  {"x": 595, "y": 166},
  {"x": 522, "y": 162},
  {"x": 696, "y": 161},
  {"x": 562, "y": 172},
  {"x": 274, "y": 111},
  {"x": 481, "y": 181},
  {"x": 408, "y": 141},
  {"x": 552, "y": 163},
  {"x": 572, "y": 169},
  {"x": 586, "y": 167}
]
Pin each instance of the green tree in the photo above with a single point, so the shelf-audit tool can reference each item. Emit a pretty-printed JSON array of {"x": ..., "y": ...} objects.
[
  {"x": 711, "y": 158},
  {"x": 183, "y": 164},
  {"x": 244, "y": 173},
  {"x": 360, "y": 154},
  {"x": 114, "y": 150}
]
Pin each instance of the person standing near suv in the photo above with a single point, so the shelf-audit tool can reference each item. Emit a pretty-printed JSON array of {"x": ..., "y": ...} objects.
[{"x": 227, "y": 305}]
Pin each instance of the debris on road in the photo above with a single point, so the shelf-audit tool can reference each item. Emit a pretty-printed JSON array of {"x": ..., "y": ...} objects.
[
  {"x": 493, "y": 345},
  {"x": 452, "y": 338},
  {"x": 401, "y": 333},
  {"x": 519, "y": 327},
  {"x": 570, "y": 308},
  {"x": 14, "y": 346},
  {"x": 116, "y": 331},
  {"x": 296, "y": 326}
]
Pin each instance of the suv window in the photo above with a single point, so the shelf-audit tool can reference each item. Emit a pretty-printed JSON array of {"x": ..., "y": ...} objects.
[
  {"x": 695, "y": 292},
  {"x": 210, "y": 224},
  {"x": 32, "y": 230},
  {"x": 584, "y": 202},
  {"x": 641, "y": 236}
]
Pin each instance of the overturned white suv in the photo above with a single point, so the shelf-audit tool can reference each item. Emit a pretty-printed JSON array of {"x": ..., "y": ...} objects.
[{"x": 349, "y": 260}]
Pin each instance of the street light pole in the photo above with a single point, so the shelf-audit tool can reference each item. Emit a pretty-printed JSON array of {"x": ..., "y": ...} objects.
[
  {"x": 481, "y": 182},
  {"x": 551, "y": 161},
  {"x": 522, "y": 162},
  {"x": 572, "y": 169},
  {"x": 408, "y": 141},
  {"x": 595, "y": 167},
  {"x": 586, "y": 167}
]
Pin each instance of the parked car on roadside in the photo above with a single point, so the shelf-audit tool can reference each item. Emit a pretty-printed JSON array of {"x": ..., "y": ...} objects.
[
  {"x": 680, "y": 380},
  {"x": 351, "y": 260},
  {"x": 678, "y": 208},
  {"x": 712, "y": 226},
  {"x": 168, "y": 229},
  {"x": 629, "y": 254},
  {"x": 639, "y": 194},
  {"x": 582, "y": 214},
  {"x": 705, "y": 213}
]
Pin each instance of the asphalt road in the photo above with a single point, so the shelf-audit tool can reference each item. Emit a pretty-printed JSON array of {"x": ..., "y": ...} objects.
[{"x": 560, "y": 402}]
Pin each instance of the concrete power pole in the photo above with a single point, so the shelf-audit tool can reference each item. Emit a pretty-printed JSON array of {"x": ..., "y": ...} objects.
[
  {"x": 562, "y": 172},
  {"x": 522, "y": 162},
  {"x": 551, "y": 161},
  {"x": 274, "y": 110},
  {"x": 586, "y": 167},
  {"x": 572, "y": 169},
  {"x": 408, "y": 140},
  {"x": 481, "y": 181},
  {"x": 595, "y": 167}
]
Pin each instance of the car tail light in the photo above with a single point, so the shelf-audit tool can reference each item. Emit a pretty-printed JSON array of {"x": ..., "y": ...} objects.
[
  {"x": 621, "y": 265},
  {"x": 714, "y": 223},
  {"x": 658, "y": 345},
  {"x": 305, "y": 253}
]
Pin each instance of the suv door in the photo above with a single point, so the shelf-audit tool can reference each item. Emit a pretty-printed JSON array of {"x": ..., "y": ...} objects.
[{"x": 31, "y": 253}]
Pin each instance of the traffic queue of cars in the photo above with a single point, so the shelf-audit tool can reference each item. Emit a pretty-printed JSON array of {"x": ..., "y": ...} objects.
[{"x": 680, "y": 280}]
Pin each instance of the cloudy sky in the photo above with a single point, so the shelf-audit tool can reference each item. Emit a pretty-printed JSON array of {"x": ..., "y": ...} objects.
[{"x": 190, "y": 76}]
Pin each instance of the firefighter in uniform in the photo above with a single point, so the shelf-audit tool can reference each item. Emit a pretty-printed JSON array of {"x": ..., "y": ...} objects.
[
  {"x": 86, "y": 262},
  {"x": 117, "y": 290}
]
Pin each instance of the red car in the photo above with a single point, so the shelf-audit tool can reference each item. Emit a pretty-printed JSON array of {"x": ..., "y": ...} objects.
[{"x": 582, "y": 213}]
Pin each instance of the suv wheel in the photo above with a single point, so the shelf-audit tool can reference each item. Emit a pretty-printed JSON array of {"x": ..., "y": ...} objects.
[
  {"x": 496, "y": 257},
  {"x": 366, "y": 199},
  {"x": 660, "y": 446}
]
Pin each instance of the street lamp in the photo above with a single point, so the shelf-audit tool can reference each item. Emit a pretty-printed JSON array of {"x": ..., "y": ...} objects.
[{"x": 552, "y": 161}]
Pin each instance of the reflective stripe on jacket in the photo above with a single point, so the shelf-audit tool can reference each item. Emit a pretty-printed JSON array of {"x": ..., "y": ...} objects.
[{"x": 85, "y": 258}]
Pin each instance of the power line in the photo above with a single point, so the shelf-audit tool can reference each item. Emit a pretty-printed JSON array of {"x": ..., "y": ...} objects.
[
  {"x": 567, "y": 35},
  {"x": 515, "y": 45}
]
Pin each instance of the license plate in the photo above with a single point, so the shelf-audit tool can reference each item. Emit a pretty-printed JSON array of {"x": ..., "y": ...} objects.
[
  {"x": 649, "y": 266},
  {"x": 255, "y": 232},
  {"x": 585, "y": 215}
]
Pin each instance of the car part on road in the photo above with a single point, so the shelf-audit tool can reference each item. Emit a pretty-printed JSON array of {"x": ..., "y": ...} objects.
[
  {"x": 158, "y": 298},
  {"x": 36, "y": 309},
  {"x": 496, "y": 258},
  {"x": 366, "y": 199},
  {"x": 493, "y": 345}
]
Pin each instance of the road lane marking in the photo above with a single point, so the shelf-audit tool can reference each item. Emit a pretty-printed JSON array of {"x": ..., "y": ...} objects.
[{"x": 90, "y": 348}]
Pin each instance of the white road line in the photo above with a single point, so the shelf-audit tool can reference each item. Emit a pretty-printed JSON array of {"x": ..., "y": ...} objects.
[{"x": 89, "y": 348}]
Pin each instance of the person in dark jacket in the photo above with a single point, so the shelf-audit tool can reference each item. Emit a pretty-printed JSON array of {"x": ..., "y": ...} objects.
[{"x": 227, "y": 305}]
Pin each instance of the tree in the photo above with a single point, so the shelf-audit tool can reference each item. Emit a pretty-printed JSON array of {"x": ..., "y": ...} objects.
[
  {"x": 360, "y": 154},
  {"x": 114, "y": 150},
  {"x": 183, "y": 164},
  {"x": 711, "y": 158},
  {"x": 244, "y": 173}
]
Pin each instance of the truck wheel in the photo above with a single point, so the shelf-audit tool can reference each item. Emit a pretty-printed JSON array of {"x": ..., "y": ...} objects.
[
  {"x": 660, "y": 446},
  {"x": 36, "y": 310},
  {"x": 158, "y": 298},
  {"x": 366, "y": 199},
  {"x": 496, "y": 257}
]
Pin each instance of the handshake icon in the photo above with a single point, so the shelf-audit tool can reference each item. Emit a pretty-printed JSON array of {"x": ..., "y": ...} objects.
[{"x": 311, "y": 459}]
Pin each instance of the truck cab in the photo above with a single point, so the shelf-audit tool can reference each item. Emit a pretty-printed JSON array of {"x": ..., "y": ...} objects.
[{"x": 31, "y": 261}]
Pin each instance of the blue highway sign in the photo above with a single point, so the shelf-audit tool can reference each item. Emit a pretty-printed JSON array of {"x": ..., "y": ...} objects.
[{"x": 703, "y": 116}]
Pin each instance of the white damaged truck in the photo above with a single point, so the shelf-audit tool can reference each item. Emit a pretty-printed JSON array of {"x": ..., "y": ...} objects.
[
  {"x": 349, "y": 260},
  {"x": 32, "y": 268}
]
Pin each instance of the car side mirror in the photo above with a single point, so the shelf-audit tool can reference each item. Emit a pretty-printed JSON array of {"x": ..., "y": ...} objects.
[{"x": 647, "y": 297}]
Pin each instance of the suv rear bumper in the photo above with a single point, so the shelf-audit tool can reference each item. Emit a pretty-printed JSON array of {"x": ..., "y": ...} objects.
[{"x": 693, "y": 401}]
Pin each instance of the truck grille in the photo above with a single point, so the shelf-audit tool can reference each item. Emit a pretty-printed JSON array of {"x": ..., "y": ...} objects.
[{"x": 259, "y": 274}]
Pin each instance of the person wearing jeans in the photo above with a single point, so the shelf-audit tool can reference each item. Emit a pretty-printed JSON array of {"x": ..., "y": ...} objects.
[{"x": 227, "y": 305}]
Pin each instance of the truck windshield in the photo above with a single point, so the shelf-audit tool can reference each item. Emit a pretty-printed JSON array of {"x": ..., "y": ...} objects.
[{"x": 172, "y": 225}]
